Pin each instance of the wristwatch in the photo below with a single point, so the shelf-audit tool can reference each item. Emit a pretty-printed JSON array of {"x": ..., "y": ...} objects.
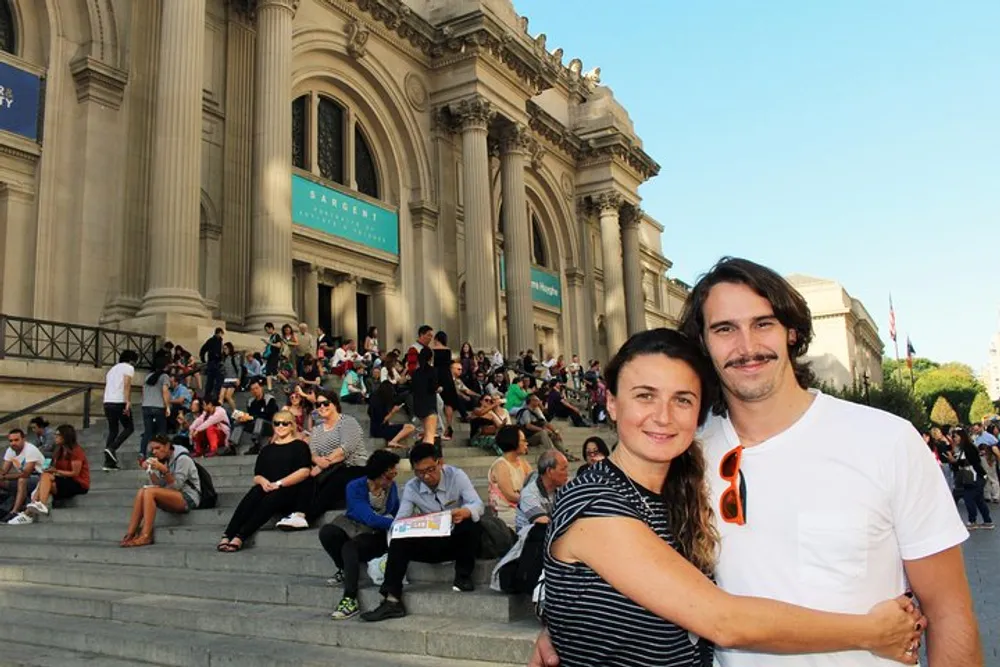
[{"x": 278, "y": 483}]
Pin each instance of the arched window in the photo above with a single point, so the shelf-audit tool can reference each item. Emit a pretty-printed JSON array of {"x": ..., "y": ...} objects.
[
  {"x": 8, "y": 41},
  {"x": 299, "y": 132},
  {"x": 364, "y": 165},
  {"x": 330, "y": 128},
  {"x": 538, "y": 255}
]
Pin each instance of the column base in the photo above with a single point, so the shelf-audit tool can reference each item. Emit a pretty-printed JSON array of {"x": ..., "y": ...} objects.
[
  {"x": 173, "y": 301},
  {"x": 185, "y": 330},
  {"x": 120, "y": 308}
]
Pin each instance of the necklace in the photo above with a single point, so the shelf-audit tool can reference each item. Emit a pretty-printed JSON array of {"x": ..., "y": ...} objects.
[{"x": 642, "y": 497}]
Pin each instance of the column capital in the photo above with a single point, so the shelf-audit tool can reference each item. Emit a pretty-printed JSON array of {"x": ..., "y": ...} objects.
[
  {"x": 631, "y": 216},
  {"x": 575, "y": 276},
  {"x": 517, "y": 139},
  {"x": 474, "y": 112},
  {"x": 248, "y": 8},
  {"x": 608, "y": 202}
]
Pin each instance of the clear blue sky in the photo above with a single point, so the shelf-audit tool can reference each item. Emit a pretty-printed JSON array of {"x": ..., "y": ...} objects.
[{"x": 847, "y": 139}]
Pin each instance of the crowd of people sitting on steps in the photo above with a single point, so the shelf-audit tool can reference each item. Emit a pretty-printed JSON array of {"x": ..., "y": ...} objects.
[{"x": 312, "y": 458}]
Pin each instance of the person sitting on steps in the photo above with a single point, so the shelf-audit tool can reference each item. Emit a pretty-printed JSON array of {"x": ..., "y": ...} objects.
[
  {"x": 22, "y": 464},
  {"x": 210, "y": 429},
  {"x": 359, "y": 535},
  {"x": 174, "y": 486},
  {"x": 68, "y": 476},
  {"x": 280, "y": 469},
  {"x": 256, "y": 421},
  {"x": 435, "y": 487}
]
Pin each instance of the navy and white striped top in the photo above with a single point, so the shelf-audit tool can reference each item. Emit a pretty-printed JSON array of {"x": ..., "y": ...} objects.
[{"x": 590, "y": 622}]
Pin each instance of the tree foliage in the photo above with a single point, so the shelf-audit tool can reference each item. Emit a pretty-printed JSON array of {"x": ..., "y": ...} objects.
[
  {"x": 982, "y": 406},
  {"x": 901, "y": 373},
  {"x": 892, "y": 397},
  {"x": 953, "y": 381},
  {"x": 943, "y": 414}
]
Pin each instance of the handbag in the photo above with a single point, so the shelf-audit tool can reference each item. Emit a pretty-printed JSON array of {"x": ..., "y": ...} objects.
[
  {"x": 965, "y": 477},
  {"x": 496, "y": 537},
  {"x": 351, "y": 527}
]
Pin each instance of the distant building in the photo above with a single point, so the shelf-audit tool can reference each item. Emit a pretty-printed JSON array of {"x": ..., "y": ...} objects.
[
  {"x": 991, "y": 376},
  {"x": 846, "y": 345}
]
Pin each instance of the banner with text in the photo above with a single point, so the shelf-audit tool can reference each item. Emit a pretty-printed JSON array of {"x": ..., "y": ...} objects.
[
  {"x": 545, "y": 287},
  {"x": 333, "y": 212},
  {"x": 20, "y": 94}
]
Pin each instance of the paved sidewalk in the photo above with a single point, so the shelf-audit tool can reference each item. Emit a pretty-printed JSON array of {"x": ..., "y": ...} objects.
[{"x": 982, "y": 564}]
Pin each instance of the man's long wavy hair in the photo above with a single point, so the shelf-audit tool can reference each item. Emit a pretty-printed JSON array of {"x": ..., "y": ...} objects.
[
  {"x": 790, "y": 309},
  {"x": 685, "y": 490}
]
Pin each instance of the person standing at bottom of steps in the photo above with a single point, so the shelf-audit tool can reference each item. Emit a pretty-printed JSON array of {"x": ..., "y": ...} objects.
[
  {"x": 359, "y": 535},
  {"x": 118, "y": 405},
  {"x": 174, "y": 486},
  {"x": 278, "y": 474},
  {"x": 435, "y": 487}
]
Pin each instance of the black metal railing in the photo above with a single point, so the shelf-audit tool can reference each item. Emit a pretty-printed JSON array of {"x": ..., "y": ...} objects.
[
  {"x": 33, "y": 409},
  {"x": 45, "y": 340}
]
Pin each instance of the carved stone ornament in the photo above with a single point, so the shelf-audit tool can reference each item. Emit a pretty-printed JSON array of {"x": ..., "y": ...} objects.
[
  {"x": 631, "y": 216},
  {"x": 248, "y": 8},
  {"x": 357, "y": 38},
  {"x": 566, "y": 183},
  {"x": 517, "y": 139},
  {"x": 537, "y": 156},
  {"x": 98, "y": 82},
  {"x": 608, "y": 202},
  {"x": 474, "y": 112},
  {"x": 416, "y": 92}
]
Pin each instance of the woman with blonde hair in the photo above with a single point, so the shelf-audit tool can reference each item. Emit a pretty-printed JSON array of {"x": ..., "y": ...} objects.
[{"x": 631, "y": 544}]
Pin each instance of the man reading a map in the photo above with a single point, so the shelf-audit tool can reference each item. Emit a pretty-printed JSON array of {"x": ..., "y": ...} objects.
[{"x": 435, "y": 488}]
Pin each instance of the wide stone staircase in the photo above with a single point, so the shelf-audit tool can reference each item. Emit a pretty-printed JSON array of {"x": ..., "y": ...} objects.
[{"x": 69, "y": 595}]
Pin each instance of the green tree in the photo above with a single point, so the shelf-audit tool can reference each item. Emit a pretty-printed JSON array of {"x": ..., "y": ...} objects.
[
  {"x": 891, "y": 397},
  {"x": 953, "y": 381},
  {"x": 982, "y": 406},
  {"x": 943, "y": 414},
  {"x": 893, "y": 369}
]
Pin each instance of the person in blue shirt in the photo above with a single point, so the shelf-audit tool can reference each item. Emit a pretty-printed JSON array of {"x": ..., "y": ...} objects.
[
  {"x": 435, "y": 487},
  {"x": 359, "y": 534}
]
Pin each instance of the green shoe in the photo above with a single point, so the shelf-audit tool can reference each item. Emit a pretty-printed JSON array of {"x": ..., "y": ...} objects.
[{"x": 348, "y": 608}]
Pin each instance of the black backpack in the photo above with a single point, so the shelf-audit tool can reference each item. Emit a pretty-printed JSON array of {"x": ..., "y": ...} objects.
[{"x": 209, "y": 496}]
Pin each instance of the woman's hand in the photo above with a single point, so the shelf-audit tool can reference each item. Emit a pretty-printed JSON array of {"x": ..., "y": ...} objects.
[{"x": 896, "y": 629}]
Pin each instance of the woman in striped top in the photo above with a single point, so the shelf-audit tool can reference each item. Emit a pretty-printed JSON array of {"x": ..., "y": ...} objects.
[{"x": 631, "y": 544}]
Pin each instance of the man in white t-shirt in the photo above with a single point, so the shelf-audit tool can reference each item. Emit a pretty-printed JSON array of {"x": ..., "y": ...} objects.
[
  {"x": 819, "y": 502},
  {"x": 118, "y": 406},
  {"x": 22, "y": 467}
]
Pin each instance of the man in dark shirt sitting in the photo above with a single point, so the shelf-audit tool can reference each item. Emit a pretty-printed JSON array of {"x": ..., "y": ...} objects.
[{"x": 255, "y": 423}]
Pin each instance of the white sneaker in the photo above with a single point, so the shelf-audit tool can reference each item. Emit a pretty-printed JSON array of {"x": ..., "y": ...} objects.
[
  {"x": 21, "y": 519},
  {"x": 293, "y": 522},
  {"x": 39, "y": 507}
]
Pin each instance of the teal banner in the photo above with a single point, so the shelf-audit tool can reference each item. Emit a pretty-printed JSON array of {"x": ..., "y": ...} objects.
[
  {"x": 544, "y": 286},
  {"x": 333, "y": 212}
]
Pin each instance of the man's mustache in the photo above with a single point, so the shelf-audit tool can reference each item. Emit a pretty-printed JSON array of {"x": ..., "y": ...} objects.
[{"x": 739, "y": 362}]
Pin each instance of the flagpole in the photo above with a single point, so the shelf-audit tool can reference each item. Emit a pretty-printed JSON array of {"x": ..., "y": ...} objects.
[{"x": 895, "y": 344}]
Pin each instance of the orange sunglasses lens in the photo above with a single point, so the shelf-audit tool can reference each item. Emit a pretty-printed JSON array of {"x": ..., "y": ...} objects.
[{"x": 730, "y": 465}]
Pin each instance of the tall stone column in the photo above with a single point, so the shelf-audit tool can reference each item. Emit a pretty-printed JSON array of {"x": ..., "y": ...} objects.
[
  {"x": 310, "y": 289},
  {"x": 475, "y": 115},
  {"x": 271, "y": 244},
  {"x": 608, "y": 204},
  {"x": 635, "y": 302},
  {"x": 515, "y": 146},
  {"x": 175, "y": 185}
]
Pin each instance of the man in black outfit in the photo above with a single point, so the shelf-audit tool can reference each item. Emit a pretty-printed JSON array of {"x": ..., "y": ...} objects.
[
  {"x": 211, "y": 356},
  {"x": 256, "y": 421}
]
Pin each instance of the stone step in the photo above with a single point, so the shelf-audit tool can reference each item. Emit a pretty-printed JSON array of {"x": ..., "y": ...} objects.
[
  {"x": 175, "y": 577},
  {"x": 416, "y": 635},
  {"x": 16, "y": 654},
  {"x": 271, "y": 552},
  {"x": 196, "y": 648}
]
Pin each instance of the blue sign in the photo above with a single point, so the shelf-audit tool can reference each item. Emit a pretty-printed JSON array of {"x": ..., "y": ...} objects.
[
  {"x": 545, "y": 288},
  {"x": 333, "y": 212},
  {"x": 20, "y": 93}
]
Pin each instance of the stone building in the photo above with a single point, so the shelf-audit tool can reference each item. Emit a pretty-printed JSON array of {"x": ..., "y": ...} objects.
[
  {"x": 846, "y": 346},
  {"x": 343, "y": 162}
]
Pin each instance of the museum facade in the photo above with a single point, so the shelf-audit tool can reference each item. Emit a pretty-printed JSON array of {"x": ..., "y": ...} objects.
[{"x": 167, "y": 166}]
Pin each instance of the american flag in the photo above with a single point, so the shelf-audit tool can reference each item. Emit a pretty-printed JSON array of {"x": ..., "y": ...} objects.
[{"x": 892, "y": 321}]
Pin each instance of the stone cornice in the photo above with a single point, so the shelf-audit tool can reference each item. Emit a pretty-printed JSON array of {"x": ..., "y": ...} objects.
[
  {"x": 19, "y": 147},
  {"x": 620, "y": 149},
  {"x": 553, "y": 132},
  {"x": 98, "y": 82}
]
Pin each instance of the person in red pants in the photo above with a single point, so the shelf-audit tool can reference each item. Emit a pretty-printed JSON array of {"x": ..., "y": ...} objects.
[{"x": 210, "y": 429}]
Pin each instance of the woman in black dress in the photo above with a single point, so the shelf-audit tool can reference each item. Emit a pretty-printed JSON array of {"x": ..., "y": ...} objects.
[
  {"x": 442, "y": 364},
  {"x": 424, "y": 386}
]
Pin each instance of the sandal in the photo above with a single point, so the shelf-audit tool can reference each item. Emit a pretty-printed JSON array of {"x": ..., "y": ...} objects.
[
  {"x": 127, "y": 540},
  {"x": 233, "y": 546},
  {"x": 223, "y": 543},
  {"x": 141, "y": 541}
]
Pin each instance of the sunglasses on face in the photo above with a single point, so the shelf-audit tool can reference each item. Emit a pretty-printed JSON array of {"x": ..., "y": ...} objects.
[
  {"x": 323, "y": 404},
  {"x": 282, "y": 423},
  {"x": 732, "y": 504}
]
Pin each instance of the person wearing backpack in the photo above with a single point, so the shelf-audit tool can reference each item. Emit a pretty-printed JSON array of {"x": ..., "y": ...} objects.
[{"x": 174, "y": 486}]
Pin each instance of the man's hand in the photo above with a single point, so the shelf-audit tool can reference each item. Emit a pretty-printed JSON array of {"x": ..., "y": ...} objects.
[
  {"x": 460, "y": 515},
  {"x": 544, "y": 654},
  {"x": 128, "y": 408}
]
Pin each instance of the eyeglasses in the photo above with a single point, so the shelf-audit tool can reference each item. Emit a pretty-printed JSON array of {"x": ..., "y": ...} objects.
[
  {"x": 424, "y": 472},
  {"x": 282, "y": 423},
  {"x": 732, "y": 504},
  {"x": 323, "y": 404}
]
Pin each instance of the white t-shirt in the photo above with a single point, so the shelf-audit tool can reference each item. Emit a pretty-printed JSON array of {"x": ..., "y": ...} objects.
[
  {"x": 834, "y": 505},
  {"x": 28, "y": 454},
  {"x": 342, "y": 355},
  {"x": 114, "y": 382}
]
